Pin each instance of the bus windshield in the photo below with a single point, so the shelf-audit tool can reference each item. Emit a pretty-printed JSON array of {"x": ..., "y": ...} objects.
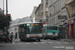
[
  {"x": 52, "y": 27},
  {"x": 35, "y": 28}
]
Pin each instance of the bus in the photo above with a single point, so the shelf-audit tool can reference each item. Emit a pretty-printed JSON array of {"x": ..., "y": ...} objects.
[
  {"x": 30, "y": 31},
  {"x": 51, "y": 32}
]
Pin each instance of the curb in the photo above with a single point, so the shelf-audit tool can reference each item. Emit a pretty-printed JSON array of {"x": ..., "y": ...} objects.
[
  {"x": 17, "y": 40},
  {"x": 69, "y": 40}
]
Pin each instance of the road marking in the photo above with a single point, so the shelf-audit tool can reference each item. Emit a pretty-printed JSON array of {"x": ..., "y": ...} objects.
[
  {"x": 27, "y": 43},
  {"x": 66, "y": 43},
  {"x": 73, "y": 43},
  {"x": 50, "y": 42},
  {"x": 58, "y": 47},
  {"x": 43, "y": 42},
  {"x": 35, "y": 43},
  {"x": 58, "y": 42},
  {"x": 69, "y": 47},
  {"x": 64, "y": 47}
]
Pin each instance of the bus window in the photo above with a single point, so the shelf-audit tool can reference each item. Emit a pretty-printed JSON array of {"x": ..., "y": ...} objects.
[
  {"x": 36, "y": 28},
  {"x": 27, "y": 29},
  {"x": 52, "y": 28}
]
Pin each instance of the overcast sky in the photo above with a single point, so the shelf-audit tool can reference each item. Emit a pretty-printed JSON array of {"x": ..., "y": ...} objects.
[{"x": 21, "y": 8}]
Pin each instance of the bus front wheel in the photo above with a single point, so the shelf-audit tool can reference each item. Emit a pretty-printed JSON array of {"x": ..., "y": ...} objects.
[
  {"x": 21, "y": 40},
  {"x": 38, "y": 39}
]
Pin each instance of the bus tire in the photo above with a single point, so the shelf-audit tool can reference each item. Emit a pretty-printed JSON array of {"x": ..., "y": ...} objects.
[
  {"x": 38, "y": 39},
  {"x": 50, "y": 38},
  {"x": 21, "y": 40},
  {"x": 6, "y": 40}
]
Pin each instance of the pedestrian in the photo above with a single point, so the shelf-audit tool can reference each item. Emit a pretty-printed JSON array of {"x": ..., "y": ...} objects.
[
  {"x": 7, "y": 38},
  {"x": 66, "y": 32},
  {"x": 16, "y": 36},
  {"x": 59, "y": 36},
  {"x": 11, "y": 37}
]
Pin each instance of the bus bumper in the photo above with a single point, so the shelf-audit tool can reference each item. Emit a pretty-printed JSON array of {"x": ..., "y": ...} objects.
[
  {"x": 33, "y": 38},
  {"x": 50, "y": 37}
]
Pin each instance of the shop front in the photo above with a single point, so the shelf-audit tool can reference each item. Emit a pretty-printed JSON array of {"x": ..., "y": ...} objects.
[{"x": 71, "y": 27}]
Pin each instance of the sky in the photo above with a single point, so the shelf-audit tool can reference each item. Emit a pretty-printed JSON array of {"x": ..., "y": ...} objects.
[{"x": 20, "y": 8}]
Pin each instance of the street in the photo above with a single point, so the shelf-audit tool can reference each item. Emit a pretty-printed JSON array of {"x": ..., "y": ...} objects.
[
  {"x": 38, "y": 20},
  {"x": 43, "y": 45}
]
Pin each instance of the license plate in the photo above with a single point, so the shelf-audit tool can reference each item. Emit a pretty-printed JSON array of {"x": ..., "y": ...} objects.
[
  {"x": 49, "y": 34},
  {"x": 34, "y": 38}
]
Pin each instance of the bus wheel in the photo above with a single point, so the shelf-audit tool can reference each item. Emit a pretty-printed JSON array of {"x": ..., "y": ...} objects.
[
  {"x": 6, "y": 40},
  {"x": 38, "y": 39},
  {"x": 21, "y": 40},
  {"x": 51, "y": 38}
]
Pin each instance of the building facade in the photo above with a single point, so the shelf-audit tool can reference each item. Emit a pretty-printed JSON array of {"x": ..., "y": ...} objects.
[
  {"x": 57, "y": 12},
  {"x": 70, "y": 5},
  {"x": 70, "y": 23},
  {"x": 38, "y": 13},
  {"x": 42, "y": 11},
  {"x": 13, "y": 28},
  {"x": 45, "y": 10},
  {"x": 33, "y": 14}
]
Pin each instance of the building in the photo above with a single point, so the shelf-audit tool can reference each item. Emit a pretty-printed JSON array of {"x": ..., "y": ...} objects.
[
  {"x": 70, "y": 23},
  {"x": 25, "y": 19},
  {"x": 13, "y": 28},
  {"x": 57, "y": 12},
  {"x": 70, "y": 5},
  {"x": 41, "y": 12},
  {"x": 38, "y": 13},
  {"x": 45, "y": 10},
  {"x": 33, "y": 14}
]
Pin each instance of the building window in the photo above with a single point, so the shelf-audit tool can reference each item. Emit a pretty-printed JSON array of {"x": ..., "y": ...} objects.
[
  {"x": 46, "y": 1},
  {"x": 73, "y": 10}
]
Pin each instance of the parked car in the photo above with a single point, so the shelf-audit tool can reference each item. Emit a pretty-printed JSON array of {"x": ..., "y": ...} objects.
[{"x": 3, "y": 36}]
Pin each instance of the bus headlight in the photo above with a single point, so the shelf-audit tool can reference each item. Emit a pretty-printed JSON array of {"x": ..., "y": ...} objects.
[
  {"x": 56, "y": 34},
  {"x": 49, "y": 33},
  {"x": 27, "y": 35},
  {"x": 40, "y": 35}
]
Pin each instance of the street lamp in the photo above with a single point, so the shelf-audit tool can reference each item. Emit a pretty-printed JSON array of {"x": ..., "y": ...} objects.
[
  {"x": 3, "y": 6},
  {"x": 6, "y": 8},
  {"x": 7, "y": 16}
]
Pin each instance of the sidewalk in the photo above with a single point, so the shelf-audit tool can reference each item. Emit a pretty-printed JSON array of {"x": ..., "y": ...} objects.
[
  {"x": 16, "y": 40},
  {"x": 69, "y": 40}
]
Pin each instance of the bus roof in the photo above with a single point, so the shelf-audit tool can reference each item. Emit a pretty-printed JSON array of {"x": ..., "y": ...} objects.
[
  {"x": 24, "y": 23},
  {"x": 52, "y": 25},
  {"x": 28, "y": 22}
]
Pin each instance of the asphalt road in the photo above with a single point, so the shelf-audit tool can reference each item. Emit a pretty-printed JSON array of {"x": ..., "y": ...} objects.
[{"x": 43, "y": 45}]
